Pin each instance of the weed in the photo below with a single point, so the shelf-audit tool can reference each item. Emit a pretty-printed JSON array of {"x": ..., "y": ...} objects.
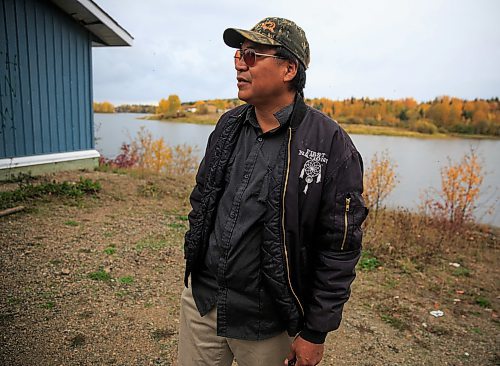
[
  {"x": 461, "y": 271},
  {"x": 390, "y": 283},
  {"x": 438, "y": 330},
  {"x": 110, "y": 250},
  {"x": 6, "y": 318},
  {"x": 183, "y": 217},
  {"x": 476, "y": 330},
  {"x": 21, "y": 178},
  {"x": 153, "y": 244},
  {"x": 159, "y": 334},
  {"x": 77, "y": 341},
  {"x": 176, "y": 225},
  {"x": 28, "y": 191},
  {"x": 100, "y": 275},
  {"x": 71, "y": 223},
  {"x": 13, "y": 300},
  {"x": 394, "y": 321},
  {"x": 150, "y": 189},
  {"x": 48, "y": 305},
  {"x": 483, "y": 302},
  {"x": 126, "y": 280},
  {"x": 121, "y": 293},
  {"x": 148, "y": 305},
  {"x": 368, "y": 262}
]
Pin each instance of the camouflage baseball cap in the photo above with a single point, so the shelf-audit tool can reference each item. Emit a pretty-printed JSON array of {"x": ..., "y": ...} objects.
[{"x": 273, "y": 32}]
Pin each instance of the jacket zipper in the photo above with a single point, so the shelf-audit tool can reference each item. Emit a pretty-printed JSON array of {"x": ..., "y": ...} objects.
[
  {"x": 346, "y": 212},
  {"x": 283, "y": 222}
]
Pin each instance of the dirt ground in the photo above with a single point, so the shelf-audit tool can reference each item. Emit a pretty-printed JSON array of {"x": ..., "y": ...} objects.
[{"x": 96, "y": 281}]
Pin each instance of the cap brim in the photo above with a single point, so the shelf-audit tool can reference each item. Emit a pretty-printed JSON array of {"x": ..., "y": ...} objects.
[{"x": 235, "y": 37}]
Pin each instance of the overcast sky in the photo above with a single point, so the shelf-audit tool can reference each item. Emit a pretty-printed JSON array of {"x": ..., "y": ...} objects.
[{"x": 361, "y": 48}]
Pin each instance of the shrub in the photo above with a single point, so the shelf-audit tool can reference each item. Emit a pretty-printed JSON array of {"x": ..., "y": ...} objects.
[
  {"x": 455, "y": 201},
  {"x": 379, "y": 180},
  {"x": 154, "y": 155},
  {"x": 423, "y": 126}
]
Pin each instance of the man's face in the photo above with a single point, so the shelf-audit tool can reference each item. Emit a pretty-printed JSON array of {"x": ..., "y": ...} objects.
[{"x": 262, "y": 83}]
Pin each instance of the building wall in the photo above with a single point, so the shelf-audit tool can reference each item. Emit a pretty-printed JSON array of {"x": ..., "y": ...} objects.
[{"x": 45, "y": 80}]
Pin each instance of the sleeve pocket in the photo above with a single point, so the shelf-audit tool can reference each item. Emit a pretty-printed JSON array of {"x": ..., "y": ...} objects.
[{"x": 349, "y": 215}]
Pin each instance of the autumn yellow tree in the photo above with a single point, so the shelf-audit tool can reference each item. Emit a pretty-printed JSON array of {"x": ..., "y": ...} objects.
[
  {"x": 379, "y": 180},
  {"x": 174, "y": 104},
  {"x": 456, "y": 200},
  {"x": 104, "y": 107},
  {"x": 170, "y": 106},
  {"x": 163, "y": 107}
]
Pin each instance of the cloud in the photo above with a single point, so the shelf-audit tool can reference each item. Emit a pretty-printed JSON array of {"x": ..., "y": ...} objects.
[{"x": 385, "y": 49}]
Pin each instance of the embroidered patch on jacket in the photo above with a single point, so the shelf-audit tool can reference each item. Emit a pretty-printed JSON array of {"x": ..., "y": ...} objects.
[{"x": 312, "y": 167}]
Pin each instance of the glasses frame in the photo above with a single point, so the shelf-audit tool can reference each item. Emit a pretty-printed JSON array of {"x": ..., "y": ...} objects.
[{"x": 240, "y": 54}]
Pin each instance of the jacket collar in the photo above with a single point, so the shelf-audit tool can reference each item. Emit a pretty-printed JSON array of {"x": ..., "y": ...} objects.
[{"x": 299, "y": 111}]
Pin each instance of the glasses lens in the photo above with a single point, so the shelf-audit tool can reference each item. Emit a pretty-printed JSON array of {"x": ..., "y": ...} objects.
[{"x": 249, "y": 56}]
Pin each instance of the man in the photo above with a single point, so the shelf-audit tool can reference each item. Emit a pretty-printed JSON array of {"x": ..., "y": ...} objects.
[{"x": 275, "y": 227}]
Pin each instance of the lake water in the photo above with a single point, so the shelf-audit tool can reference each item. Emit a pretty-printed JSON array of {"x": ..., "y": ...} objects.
[{"x": 418, "y": 160}]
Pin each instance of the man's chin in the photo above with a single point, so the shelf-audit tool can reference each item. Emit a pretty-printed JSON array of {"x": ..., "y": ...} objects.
[{"x": 243, "y": 96}]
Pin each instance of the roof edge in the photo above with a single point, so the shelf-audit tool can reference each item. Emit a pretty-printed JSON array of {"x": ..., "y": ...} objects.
[{"x": 96, "y": 21}]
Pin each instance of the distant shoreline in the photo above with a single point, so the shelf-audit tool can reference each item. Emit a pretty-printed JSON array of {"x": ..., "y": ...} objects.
[{"x": 356, "y": 129}]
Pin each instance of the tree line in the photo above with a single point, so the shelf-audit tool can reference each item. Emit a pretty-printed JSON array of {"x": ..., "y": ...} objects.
[{"x": 443, "y": 114}]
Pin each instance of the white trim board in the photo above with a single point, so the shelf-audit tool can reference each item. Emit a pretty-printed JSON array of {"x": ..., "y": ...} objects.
[{"x": 10, "y": 163}]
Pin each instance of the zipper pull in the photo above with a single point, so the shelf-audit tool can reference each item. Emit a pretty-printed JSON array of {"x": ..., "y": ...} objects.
[{"x": 347, "y": 203}]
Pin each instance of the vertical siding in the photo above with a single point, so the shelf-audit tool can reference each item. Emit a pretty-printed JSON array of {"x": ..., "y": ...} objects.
[{"x": 45, "y": 88}]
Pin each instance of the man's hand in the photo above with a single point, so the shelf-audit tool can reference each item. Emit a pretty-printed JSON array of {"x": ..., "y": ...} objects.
[{"x": 305, "y": 353}]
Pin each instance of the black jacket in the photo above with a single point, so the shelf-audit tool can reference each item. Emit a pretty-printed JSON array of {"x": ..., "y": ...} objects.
[{"x": 312, "y": 234}]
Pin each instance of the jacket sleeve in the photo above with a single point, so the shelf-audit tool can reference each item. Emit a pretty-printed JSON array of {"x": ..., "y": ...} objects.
[
  {"x": 196, "y": 195},
  {"x": 336, "y": 247}
]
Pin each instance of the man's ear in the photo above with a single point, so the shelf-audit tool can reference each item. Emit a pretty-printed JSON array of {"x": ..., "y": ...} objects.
[{"x": 291, "y": 71}]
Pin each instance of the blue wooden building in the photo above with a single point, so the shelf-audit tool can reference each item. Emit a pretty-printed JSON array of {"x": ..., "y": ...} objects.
[{"x": 46, "y": 83}]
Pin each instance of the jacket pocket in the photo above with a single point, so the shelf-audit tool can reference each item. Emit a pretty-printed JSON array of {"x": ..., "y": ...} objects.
[{"x": 349, "y": 216}]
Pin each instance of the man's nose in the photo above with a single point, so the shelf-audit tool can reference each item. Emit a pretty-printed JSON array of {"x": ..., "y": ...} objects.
[{"x": 240, "y": 65}]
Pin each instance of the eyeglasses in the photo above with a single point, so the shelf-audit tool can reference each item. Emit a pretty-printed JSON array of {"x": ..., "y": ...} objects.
[{"x": 250, "y": 56}]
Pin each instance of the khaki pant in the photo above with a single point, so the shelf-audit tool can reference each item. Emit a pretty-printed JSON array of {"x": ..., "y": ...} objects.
[{"x": 200, "y": 345}]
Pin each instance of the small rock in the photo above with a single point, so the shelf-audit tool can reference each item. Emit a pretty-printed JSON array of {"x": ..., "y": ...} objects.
[
  {"x": 65, "y": 271},
  {"x": 454, "y": 264}
]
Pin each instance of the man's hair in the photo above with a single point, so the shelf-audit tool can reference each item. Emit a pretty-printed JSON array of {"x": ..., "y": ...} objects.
[{"x": 299, "y": 81}]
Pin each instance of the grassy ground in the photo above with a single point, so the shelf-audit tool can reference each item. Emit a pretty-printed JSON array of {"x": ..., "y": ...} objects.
[
  {"x": 360, "y": 129},
  {"x": 201, "y": 119},
  {"x": 95, "y": 279},
  {"x": 388, "y": 131}
]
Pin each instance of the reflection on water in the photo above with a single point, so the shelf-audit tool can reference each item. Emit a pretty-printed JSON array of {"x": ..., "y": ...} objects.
[{"x": 418, "y": 160}]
